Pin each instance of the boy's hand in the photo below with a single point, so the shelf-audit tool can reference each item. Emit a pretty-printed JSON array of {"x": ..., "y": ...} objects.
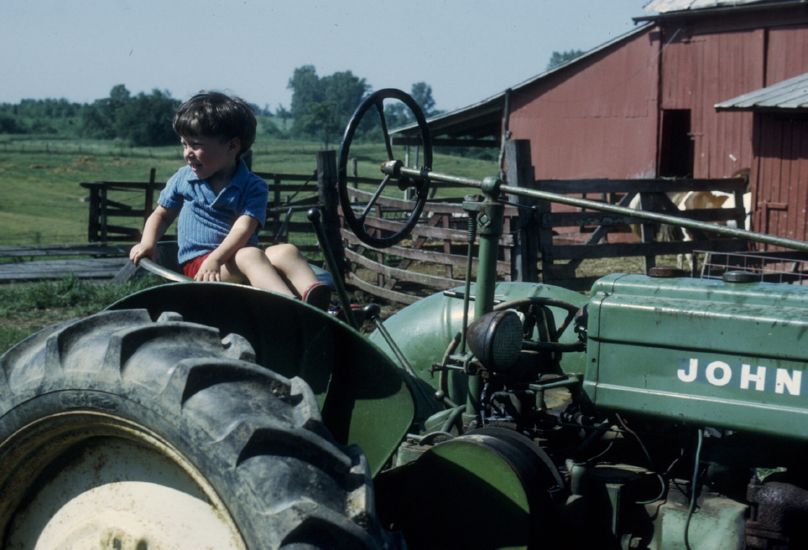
[
  {"x": 139, "y": 251},
  {"x": 210, "y": 270}
]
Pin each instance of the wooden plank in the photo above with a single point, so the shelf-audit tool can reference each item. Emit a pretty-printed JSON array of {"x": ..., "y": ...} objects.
[
  {"x": 62, "y": 250},
  {"x": 420, "y": 255},
  {"x": 94, "y": 268},
  {"x": 380, "y": 292},
  {"x": 402, "y": 274},
  {"x": 423, "y": 230}
]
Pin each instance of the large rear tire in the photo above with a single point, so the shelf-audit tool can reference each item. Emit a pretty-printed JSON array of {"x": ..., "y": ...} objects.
[{"x": 141, "y": 434}]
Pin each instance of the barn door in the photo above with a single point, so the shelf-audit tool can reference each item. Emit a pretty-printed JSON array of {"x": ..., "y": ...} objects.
[{"x": 676, "y": 145}]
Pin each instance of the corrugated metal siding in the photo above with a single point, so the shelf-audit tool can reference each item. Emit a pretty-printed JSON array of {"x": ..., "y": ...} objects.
[
  {"x": 598, "y": 119},
  {"x": 781, "y": 144},
  {"x": 781, "y": 175},
  {"x": 700, "y": 71},
  {"x": 787, "y": 53}
]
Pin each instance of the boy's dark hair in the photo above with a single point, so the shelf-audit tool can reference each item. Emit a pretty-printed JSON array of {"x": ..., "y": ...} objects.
[{"x": 216, "y": 114}]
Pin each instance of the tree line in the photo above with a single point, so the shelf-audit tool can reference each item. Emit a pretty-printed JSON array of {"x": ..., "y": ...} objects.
[{"x": 320, "y": 107}]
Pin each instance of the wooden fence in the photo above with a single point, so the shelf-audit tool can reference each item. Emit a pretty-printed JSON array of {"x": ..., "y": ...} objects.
[
  {"x": 568, "y": 238},
  {"x": 536, "y": 243},
  {"x": 433, "y": 257},
  {"x": 116, "y": 214}
]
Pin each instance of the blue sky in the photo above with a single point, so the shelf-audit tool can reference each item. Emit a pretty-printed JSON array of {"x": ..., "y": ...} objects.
[{"x": 465, "y": 49}]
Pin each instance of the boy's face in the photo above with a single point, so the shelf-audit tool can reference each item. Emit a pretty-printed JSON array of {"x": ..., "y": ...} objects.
[{"x": 210, "y": 156}]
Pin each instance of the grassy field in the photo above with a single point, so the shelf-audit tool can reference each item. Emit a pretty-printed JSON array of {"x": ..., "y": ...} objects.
[
  {"x": 43, "y": 203},
  {"x": 28, "y": 307}
]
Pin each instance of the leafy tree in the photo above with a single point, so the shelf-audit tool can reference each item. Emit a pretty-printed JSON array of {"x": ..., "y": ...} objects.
[
  {"x": 559, "y": 58},
  {"x": 421, "y": 92},
  {"x": 284, "y": 114},
  {"x": 10, "y": 125},
  {"x": 40, "y": 116},
  {"x": 98, "y": 118},
  {"x": 397, "y": 114},
  {"x": 144, "y": 119},
  {"x": 321, "y": 106}
]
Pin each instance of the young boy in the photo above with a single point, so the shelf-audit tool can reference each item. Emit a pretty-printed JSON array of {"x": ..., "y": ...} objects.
[{"x": 221, "y": 205}]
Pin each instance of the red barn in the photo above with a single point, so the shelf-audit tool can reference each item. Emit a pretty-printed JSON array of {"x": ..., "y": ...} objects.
[
  {"x": 644, "y": 104},
  {"x": 780, "y": 154}
]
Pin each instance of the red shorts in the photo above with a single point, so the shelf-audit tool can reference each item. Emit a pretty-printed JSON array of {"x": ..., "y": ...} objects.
[{"x": 190, "y": 268}]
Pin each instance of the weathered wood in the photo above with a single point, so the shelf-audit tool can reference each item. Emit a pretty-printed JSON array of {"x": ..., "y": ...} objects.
[
  {"x": 36, "y": 251},
  {"x": 524, "y": 257},
  {"x": 653, "y": 197},
  {"x": 93, "y": 268},
  {"x": 421, "y": 255},
  {"x": 402, "y": 274},
  {"x": 387, "y": 294},
  {"x": 422, "y": 230}
]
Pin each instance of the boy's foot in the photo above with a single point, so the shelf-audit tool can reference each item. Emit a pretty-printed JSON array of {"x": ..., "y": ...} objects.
[{"x": 318, "y": 295}]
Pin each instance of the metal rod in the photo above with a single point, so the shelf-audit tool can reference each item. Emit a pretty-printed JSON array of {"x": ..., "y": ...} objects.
[
  {"x": 622, "y": 210},
  {"x": 374, "y": 198},
  {"x": 333, "y": 266},
  {"x": 163, "y": 272}
]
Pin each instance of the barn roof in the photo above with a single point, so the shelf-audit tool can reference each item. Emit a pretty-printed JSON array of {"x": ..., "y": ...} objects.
[
  {"x": 482, "y": 121},
  {"x": 666, "y": 6},
  {"x": 787, "y": 95},
  {"x": 663, "y": 9}
]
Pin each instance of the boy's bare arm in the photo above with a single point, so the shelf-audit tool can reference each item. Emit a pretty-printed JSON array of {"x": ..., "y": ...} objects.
[
  {"x": 154, "y": 228},
  {"x": 239, "y": 234}
]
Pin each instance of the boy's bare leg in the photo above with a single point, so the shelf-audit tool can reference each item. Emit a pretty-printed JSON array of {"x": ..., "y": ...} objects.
[
  {"x": 250, "y": 263},
  {"x": 288, "y": 260}
]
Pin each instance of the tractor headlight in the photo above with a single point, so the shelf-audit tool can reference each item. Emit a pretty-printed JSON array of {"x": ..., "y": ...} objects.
[{"x": 496, "y": 339}]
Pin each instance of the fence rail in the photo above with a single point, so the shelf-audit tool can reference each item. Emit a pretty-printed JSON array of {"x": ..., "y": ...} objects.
[
  {"x": 540, "y": 242},
  {"x": 433, "y": 257},
  {"x": 568, "y": 238},
  {"x": 118, "y": 209}
]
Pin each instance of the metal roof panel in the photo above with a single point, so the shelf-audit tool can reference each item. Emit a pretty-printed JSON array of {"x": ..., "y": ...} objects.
[
  {"x": 788, "y": 94},
  {"x": 668, "y": 6}
]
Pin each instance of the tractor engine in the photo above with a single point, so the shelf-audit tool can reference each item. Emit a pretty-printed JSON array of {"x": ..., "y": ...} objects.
[
  {"x": 706, "y": 380},
  {"x": 667, "y": 412}
]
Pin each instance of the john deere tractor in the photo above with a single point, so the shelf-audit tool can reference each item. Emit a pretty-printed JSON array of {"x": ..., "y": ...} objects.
[{"x": 651, "y": 413}]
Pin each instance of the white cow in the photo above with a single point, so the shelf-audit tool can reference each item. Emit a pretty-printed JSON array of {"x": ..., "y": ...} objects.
[{"x": 694, "y": 200}]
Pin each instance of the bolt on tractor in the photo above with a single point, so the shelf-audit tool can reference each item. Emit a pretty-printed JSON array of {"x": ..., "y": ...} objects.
[{"x": 650, "y": 413}]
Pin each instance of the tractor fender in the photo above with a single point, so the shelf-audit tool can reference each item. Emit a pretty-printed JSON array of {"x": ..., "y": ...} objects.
[{"x": 364, "y": 397}]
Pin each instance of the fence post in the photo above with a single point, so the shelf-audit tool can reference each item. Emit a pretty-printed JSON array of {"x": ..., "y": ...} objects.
[
  {"x": 148, "y": 206},
  {"x": 93, "y": 223},
  {"x": 524, "y": 257},
  {"x": 329, "y": 199}
]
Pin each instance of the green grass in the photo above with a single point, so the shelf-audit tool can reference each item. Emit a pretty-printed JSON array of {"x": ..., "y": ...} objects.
[
  {"x": 43, "y": 203},
  {"x": 27, "y": 307}
]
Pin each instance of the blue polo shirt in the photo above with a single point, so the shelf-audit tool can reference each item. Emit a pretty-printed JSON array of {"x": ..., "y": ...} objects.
[{"x": 205, "y": 219}]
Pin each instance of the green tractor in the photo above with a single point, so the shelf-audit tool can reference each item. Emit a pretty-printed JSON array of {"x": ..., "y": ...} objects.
[{"x": 652, "y": 413}]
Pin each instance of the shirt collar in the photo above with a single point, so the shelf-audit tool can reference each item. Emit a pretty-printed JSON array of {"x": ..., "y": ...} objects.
[{"x": 239, "y": 179}]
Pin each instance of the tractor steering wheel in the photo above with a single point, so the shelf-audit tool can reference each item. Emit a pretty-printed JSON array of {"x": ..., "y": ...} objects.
[{"x": 383, "y": 233}]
